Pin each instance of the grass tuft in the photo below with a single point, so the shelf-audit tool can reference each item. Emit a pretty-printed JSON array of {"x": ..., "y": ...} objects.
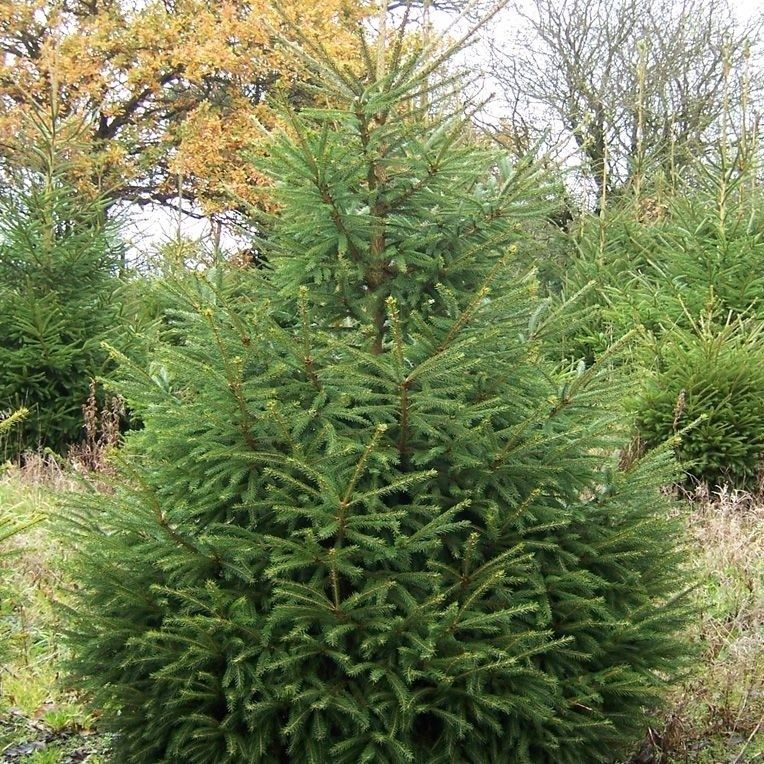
[
  {"x": 41, "y": 720},
  {"x": 717, "y": 716}
]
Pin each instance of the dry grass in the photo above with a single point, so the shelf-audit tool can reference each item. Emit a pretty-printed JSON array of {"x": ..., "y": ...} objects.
[
  {"x": 717, "y": 716},
  {"x": 39, "y": 474},
  {"x": 101, "y": 434}
]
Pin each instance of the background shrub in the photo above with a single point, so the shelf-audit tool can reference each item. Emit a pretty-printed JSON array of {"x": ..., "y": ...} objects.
[
  {"x": 666, "y": 261},
  {"x": 687, "y": 276},
  {"x": 710, "y": 381}
]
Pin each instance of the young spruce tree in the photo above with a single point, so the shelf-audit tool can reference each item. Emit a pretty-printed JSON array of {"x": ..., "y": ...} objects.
[
  {"x": 58, "y": 263},
  {"x": 364, "y": 521}
]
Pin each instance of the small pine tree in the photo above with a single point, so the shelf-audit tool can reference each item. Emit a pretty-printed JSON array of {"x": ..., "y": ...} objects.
[
  {"x": 58, "y": 260},
  {"x": 668, "y": 263},
  {"x": 364, "y": 521},
  {"x": 707, "y": 391}
]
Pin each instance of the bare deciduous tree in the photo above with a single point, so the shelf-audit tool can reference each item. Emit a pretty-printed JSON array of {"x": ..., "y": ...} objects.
[{"x": 633, "y": 83}]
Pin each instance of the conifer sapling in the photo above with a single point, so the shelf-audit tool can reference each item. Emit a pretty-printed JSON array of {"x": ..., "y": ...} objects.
[
  {"x": 58, "y": 263},
  {"x": 365, "y": 521}
]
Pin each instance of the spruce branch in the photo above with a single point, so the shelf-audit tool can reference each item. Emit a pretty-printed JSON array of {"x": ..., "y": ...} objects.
[
  {"x": 466, "y": 316},
  {"x": 325, "y": 192},
  {"x": 403, "y": 381},
  {"x": 344, "y": 504},
  {"x": 233, "y": 374},
  {"x": 379, "y": 431},
  {"x": 307, "y": 357}
]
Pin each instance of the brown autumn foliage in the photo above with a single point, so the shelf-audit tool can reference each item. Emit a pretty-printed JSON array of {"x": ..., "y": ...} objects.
[{"x": 172, "y": 91}]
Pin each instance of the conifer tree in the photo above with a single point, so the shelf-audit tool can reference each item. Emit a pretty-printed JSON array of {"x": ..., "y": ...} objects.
[
  {"x": 58, "y": 263},
  {"x": 685, "y": 270},
  {"x": 364, "y": 520}
]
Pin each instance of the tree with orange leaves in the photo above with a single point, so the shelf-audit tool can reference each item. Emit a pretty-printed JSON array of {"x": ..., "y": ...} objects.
[{"x": 173, "y": 91}]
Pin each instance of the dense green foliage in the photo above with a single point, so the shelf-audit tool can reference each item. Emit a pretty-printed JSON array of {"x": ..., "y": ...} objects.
[
  {"x": 709, "y": 388},
  {"x": 687, "y": 273},
  {"x": 364, "y": 521},
  {"x": 58, "y": 259},
  {"x": 666, "y": 261}
]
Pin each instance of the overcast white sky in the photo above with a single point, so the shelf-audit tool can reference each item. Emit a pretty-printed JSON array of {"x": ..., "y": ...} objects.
[{"x": 748, "y": 7}]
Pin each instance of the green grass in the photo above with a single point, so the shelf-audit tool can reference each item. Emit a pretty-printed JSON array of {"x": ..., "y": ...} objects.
[
  {"x": 36, "y": 706},
  {"x": 715, "y": 717}
]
